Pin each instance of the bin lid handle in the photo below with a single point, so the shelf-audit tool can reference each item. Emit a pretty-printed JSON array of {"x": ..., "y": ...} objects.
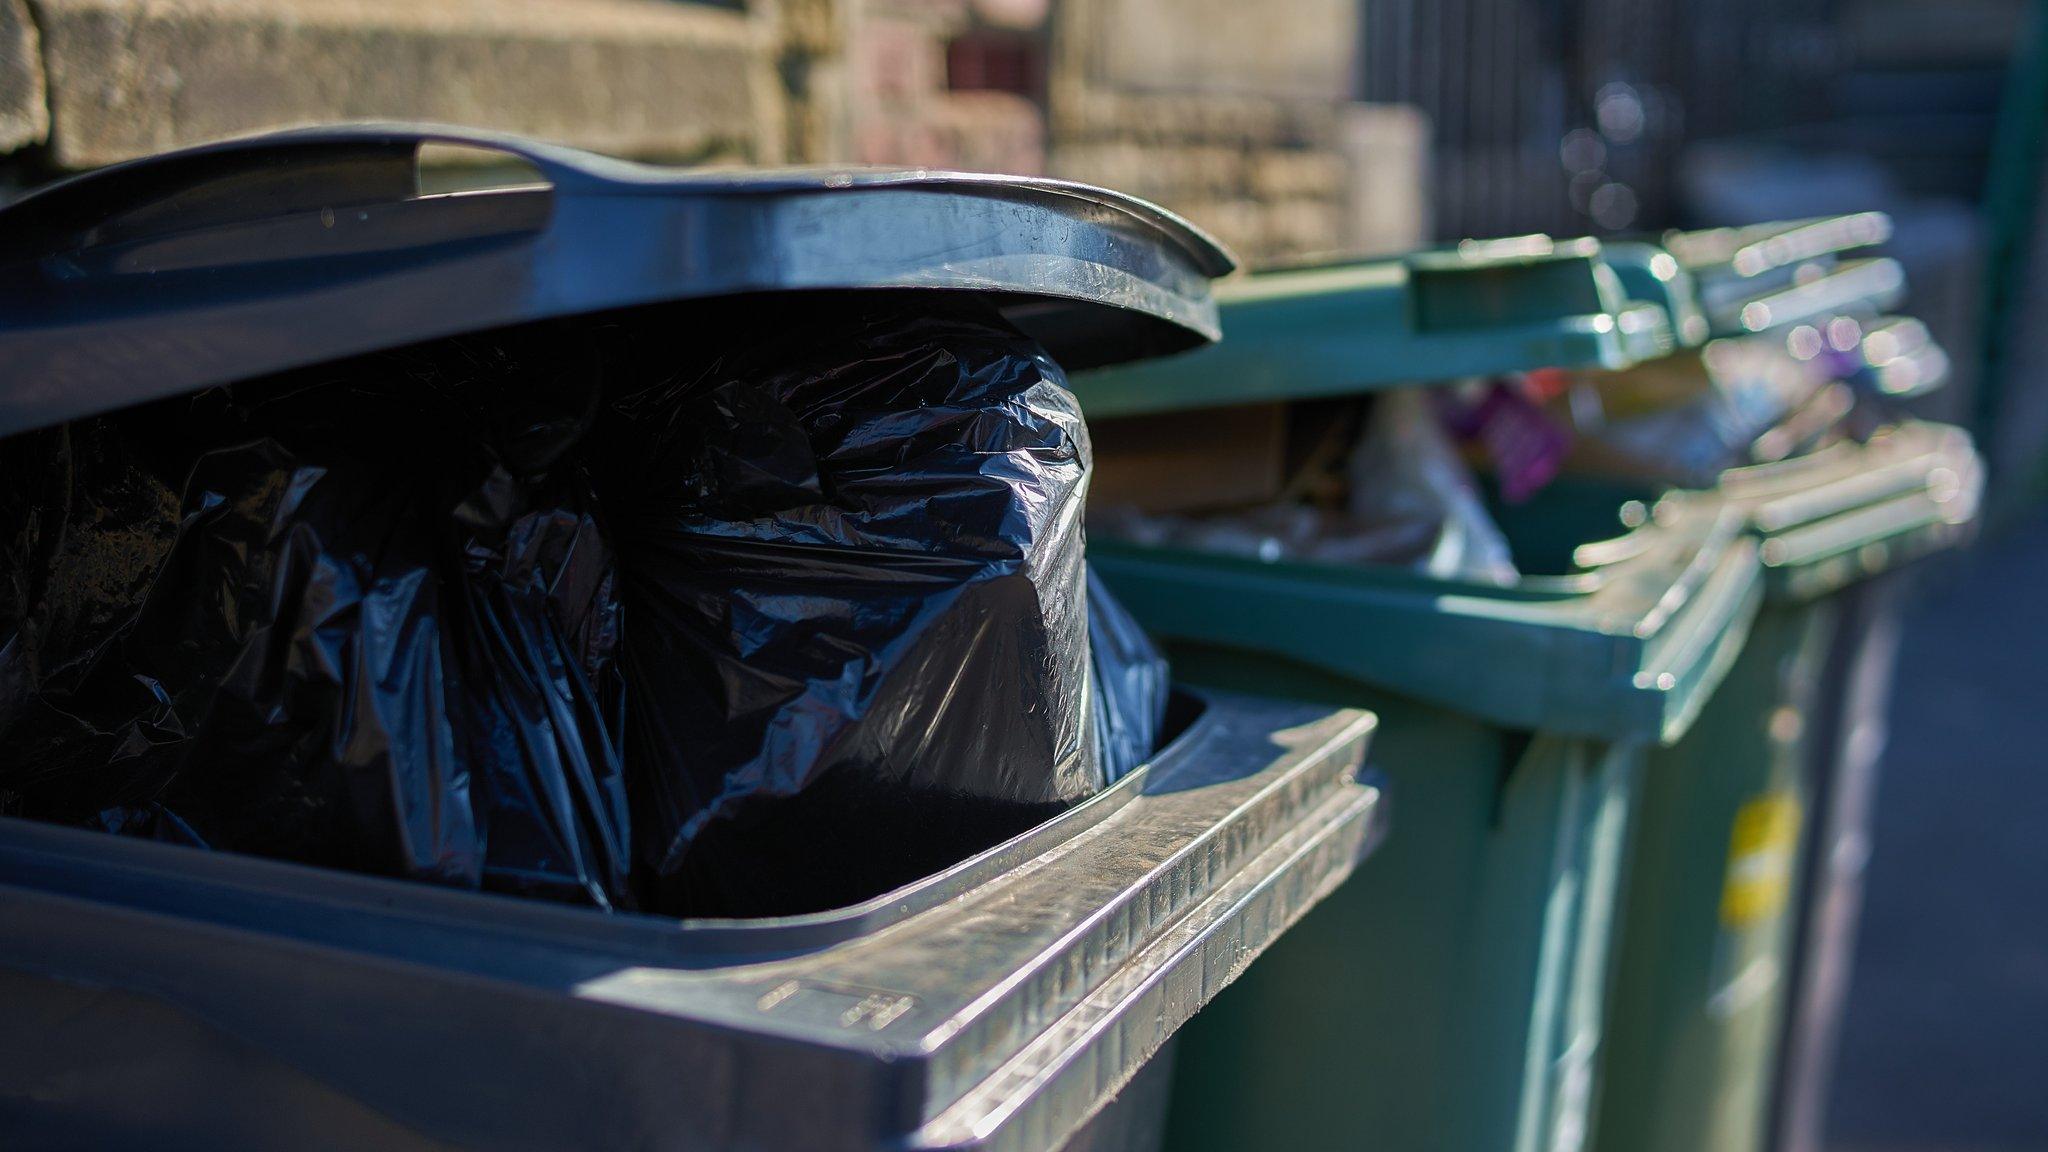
[
  {"x": 228, "y": 261},
  {"x": 337, "y": 166}
]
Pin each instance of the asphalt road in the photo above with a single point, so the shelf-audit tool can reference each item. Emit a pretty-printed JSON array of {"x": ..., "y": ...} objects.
[{"x": 1945, "y": 1043}]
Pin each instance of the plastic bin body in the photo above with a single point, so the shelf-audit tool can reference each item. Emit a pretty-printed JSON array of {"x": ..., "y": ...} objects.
[
  {"x": 180, "y": 998},
  {"x": 1449, "y": 996},
  {"x": 1457, "y": 997},
  {"x": 1740, "y": 912},
  {"x": 1707, "y": 923},
  {"x": 1452, "y": 997}
]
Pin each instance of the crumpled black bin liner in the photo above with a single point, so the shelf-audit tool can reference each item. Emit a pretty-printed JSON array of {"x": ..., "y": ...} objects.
[
  {"x": 1131, "y": 683},
  {"x": 763, "y": 613},
  {"x": 368, "y": 635}
]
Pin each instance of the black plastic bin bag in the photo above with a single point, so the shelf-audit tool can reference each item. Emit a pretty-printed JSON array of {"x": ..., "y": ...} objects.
[
  {"x": 850, "y": 558},
  {"x": 358, "y": 639},
  {"x": 1131, "y": 684},
  {"x": 766, "y": 613}
]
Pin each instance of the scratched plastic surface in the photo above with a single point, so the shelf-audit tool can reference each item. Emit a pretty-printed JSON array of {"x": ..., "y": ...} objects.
[
  {"x": 1001, "y": 1004},
  {"x": 245, "y": 257}
]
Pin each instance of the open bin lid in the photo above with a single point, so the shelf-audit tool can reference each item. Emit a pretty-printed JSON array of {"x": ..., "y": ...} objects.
[
  {"x": 1481, "y": 308},
  {"x": 1766, "y": 277},
  {"x": 1756, "y": 251},
  {"x": 1903, "y": 359},
  {"x": 1866, "y": 287},
  {"x": 1650, "y": 274},
  {"x": 237, "y": 259},
  {"x": 1853, "y": 511}
]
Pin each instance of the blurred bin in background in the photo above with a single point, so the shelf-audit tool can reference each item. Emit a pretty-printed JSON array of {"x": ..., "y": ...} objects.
[
  {"x": 1451, "y": 996},
  {"x": 1737, "y": 929}
]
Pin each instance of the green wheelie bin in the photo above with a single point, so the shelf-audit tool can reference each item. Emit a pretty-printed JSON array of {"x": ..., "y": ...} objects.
[
  {"x": 1846, "y": 736},
  {"x": 1846, "y": 732},
  {"x": 1732, "y": 946},
  {"x": 1452, "y": 995},
  {"x": 1710, "y": 971}
]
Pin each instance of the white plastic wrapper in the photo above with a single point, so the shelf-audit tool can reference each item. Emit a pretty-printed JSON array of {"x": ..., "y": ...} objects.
[
  {"x": 1407, "y": 472},
  {"x": 1751, "y": 386},
  {"x": 1413, "y": 505}
]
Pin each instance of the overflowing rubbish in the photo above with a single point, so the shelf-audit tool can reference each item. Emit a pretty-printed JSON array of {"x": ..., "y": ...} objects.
[
  {"x": 1686, "y": 419},
  {"x": 850, "y": 555},
  {"x": 342, "y": 621},
  {"x": 1406, "y": 498},
  {"x": 733, "y": 618}
]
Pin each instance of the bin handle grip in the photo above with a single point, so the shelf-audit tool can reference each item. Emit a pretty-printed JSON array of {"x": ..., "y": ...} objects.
[{"x": 276, "y": 174}]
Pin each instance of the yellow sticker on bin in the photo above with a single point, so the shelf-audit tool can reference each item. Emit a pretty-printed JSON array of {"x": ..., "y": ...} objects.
[{"x": 1763, "y": 847}]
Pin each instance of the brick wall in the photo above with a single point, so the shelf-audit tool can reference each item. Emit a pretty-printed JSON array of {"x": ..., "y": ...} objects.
[
  {"x": 937, "y": 84},
  {"x": 1233, "y": 114},
  {"x": 1275, "y": 179}
]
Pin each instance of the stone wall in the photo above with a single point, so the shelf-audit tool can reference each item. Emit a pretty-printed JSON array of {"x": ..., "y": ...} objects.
[
  {"x": 24, "y": 107},
  {"x": 1276, "y": 180},
  {"x": 94, "y": 81},
  {"x": 1235, "y": 115},
  {"x": 1301, "y": 49}
]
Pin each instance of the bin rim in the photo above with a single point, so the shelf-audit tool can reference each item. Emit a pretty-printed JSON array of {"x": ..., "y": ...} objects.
[
  {"x": 1628, "y": 649},
  {"x": 688, "y": 941},
  {"x": 1652, "y": 274},
  {"x": 1851, "y": 512},
  {"x": 239, "y": 258},
  {"x": 1004, "y": 1016}
]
